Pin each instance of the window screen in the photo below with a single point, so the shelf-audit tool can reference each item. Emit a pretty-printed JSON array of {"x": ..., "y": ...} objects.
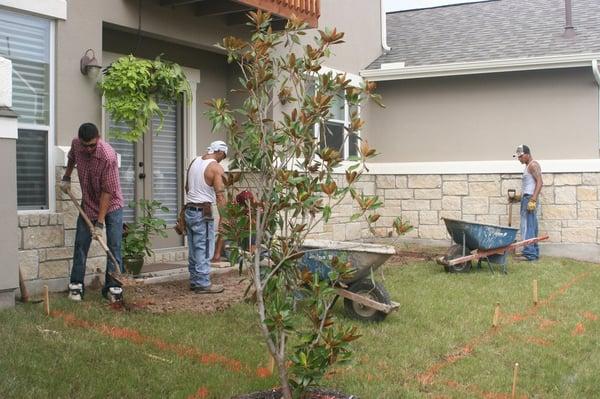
[{"x": 32, "y": 169}]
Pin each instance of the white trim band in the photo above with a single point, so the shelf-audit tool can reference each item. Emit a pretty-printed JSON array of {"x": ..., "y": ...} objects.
[
  {"x": 476, "y": 167},
  {"x": 46, "y": 8},
  {"x": 480, "y": 67},
  {"x": 8, "y": 128}
]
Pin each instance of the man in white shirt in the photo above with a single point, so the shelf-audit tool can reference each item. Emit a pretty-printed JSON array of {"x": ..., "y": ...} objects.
[{"x": 204, "y": 188}]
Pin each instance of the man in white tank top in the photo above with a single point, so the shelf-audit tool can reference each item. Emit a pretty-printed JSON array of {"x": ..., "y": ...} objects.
[
  {"x": 204, "y": 187},
  {"x": 532, "y": 185}
]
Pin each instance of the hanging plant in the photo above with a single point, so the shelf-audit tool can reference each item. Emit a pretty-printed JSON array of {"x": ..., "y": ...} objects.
[{"x": 132, "y": 89}]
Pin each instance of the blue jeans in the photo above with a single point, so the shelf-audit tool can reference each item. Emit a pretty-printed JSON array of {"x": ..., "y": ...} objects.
[
  {"x": 529, "y": 228},
  {"x": 201, "y": 243},
  {"x": 83, "y": 240}
]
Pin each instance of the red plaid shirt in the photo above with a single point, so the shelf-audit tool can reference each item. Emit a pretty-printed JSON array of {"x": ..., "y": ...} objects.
[{"x": 98, "y": 172}]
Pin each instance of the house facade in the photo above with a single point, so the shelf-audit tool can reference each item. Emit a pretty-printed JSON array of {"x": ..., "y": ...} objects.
[
  {"x": 53, "y": 93},
  {"x": 464, "y": 85}
]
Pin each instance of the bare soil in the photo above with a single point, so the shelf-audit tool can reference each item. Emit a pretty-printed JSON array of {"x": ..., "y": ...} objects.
[
  {"x": 314, "y": 393},
  {"x": 176, "y": 296}
]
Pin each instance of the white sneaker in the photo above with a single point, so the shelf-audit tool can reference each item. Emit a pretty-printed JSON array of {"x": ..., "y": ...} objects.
[
  {"x": 115, "y": 294},
  {"x": 75, "y": 291}
]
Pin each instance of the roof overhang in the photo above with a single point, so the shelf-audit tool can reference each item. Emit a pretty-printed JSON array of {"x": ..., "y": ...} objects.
[{"x": 481, "y": 67}]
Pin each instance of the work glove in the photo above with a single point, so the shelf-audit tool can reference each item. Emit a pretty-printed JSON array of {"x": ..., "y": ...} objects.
[
  {"x": 65, "y": 184},
  {"x": 98, "y": 230},
  {"x": 531, "y": 205},
  {"x": 517, "y": 197}
]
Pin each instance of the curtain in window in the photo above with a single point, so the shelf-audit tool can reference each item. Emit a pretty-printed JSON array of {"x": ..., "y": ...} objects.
[{"x": 25, "y": 40}]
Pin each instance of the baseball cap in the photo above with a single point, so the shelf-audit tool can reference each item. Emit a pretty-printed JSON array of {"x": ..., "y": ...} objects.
[
  {"x": 521, "y": 149},
  {"x": 216, "y": 146}
]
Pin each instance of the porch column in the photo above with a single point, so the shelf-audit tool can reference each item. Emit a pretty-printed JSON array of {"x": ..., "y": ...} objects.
[{"x": 9, "y": 272}]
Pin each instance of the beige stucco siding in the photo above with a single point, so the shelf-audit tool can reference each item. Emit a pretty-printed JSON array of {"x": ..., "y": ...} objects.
[
  {"x": 360, "y": 21},
  {"x": 483, "y": 117},
  {"x": 77, "y": 99},
  {"x": 8, "y": 204}
]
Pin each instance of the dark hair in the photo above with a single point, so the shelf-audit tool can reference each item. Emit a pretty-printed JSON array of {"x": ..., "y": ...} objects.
[{"x": 88, "y": 131}]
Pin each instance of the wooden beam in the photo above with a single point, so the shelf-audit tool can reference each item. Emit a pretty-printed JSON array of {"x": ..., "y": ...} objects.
[
  {"x": 178, "y": 3},
  {"x": 220, "y": 7},
  {"x": 285, "y": 8},
  {"x": 368, "y": 302}
]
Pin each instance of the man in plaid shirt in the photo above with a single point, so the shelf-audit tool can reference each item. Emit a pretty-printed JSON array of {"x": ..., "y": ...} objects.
[{"x": 98, "y": 171}]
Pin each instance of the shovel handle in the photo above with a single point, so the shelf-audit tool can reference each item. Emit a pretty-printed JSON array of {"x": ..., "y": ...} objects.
[{"x": 91, "y": 227}]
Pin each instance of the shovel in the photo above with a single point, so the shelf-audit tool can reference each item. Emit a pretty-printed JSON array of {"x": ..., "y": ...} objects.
[{"x": 116, "y": 275}]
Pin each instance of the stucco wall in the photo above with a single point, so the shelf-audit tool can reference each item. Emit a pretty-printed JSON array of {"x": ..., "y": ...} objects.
[
  {"x": 8, "y": 205},
  {"x": 483, "y": 117},
  {"x": 76, "y": 97},
  {"x": 360, "y": 20}
]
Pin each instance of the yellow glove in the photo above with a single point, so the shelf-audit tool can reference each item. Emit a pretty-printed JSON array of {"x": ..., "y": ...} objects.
[
  {"x": 517, "y": 197},
  {"x": 531, "y": 205}
]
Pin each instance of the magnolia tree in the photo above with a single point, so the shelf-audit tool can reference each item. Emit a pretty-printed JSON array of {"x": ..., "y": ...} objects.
[{"x": 279, "y": 147}]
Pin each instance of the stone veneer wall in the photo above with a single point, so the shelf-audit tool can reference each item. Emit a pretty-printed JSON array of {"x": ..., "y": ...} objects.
[
  {"x": 570, "y": 214},
  {"x": 570, "y": 205}
]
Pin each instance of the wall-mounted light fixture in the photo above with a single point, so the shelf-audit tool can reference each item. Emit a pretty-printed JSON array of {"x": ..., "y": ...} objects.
[{"x": 89, "y": 62}]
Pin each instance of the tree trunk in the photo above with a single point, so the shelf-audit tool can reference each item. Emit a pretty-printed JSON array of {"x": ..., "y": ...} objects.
[{"x": 277, "y": 355}]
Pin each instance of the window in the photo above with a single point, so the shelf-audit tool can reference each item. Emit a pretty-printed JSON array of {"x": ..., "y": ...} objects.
[
  {"x": 333, "y": 134},
  {"x": 26, "y": 41}
]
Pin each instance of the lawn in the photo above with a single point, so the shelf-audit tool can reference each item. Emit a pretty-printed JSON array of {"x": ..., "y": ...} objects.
[{"x": 440, "y": 342}]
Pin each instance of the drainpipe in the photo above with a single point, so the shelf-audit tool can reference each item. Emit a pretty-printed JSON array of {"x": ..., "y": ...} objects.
[
  {"x": 596, "y": 72},
  {"x": 384, "y": 45}
]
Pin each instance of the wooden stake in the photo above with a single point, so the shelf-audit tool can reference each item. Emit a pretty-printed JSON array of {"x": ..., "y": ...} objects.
[
  {"x": 496, "y": 315},
  {"x": 46, "y": 301},
  {"x": 271, "y": 364},
  {"x": 514, "y": 386},
  {"x": 535, "y": 292}
]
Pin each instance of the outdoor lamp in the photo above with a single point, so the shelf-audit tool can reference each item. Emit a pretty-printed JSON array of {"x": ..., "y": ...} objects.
[{"x": 89, "y": 62}]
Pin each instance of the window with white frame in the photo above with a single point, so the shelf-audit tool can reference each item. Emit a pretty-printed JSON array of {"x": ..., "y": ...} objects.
[
  {"x": 26, "y": 41},
  {"x": 333, "y": 133}
]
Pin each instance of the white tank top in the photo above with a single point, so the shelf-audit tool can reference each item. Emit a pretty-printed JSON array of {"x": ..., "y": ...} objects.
[
  {"x": 528, "y": 181},
  {"x": 198, "y": 190}
]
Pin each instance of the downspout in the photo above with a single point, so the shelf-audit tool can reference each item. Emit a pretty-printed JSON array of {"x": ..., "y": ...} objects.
[
  {"x": 596, "y": 72},
  {"x": 384, "y": 45}
]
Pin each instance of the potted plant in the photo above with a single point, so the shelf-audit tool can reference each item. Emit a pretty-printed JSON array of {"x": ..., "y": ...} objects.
[{"x": 136, "y": 237}]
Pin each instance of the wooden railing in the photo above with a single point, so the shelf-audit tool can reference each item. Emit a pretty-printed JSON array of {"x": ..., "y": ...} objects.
[{"x": 308, "y": 10}]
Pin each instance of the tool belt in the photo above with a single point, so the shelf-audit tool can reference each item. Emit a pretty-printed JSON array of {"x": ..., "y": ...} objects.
[{"x": 206, "y": 208}]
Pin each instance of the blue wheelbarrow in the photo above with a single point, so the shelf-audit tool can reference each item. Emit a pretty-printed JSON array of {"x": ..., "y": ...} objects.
[
  {"x": 364, "y": 298},
  {"x": 479, "y": 241}
]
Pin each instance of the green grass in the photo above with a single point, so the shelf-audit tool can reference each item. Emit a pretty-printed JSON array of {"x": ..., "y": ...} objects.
[{"x": 440, "y": 314}]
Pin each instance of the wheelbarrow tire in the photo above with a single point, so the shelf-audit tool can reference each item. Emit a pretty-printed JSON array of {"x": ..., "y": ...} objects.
[
  {"x": 456, "y": 251},
  {"x": 373, "y": 290}
]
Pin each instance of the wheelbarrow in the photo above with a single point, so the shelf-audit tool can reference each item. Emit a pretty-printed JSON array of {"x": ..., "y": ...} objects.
[
  {"x": 479, "y": 241},
  {"x": 364, "y": 298}
]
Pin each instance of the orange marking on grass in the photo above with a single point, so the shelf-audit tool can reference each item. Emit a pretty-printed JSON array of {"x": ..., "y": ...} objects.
[
  {"x": 201, "y": 393},
  {"x": 590, "y": 316},
  {"x": 428, "y": 376},
  {"x": 546, "y": 324},
  {"x": 578, "y": 330},
  {"x": 263, "y": 372},
  {"x": 136, "y": 337}
]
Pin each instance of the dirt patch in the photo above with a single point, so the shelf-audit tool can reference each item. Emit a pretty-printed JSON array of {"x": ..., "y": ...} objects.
[
  {"x": 403, "y": 257},
  {"x": 590, "y": 316},
  {"x": 176, "y": 296}
]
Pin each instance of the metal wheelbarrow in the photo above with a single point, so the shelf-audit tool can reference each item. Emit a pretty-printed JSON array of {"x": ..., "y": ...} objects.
[
  {"x": 364, "y": 298},
  {"x": 479, "y": 241}
]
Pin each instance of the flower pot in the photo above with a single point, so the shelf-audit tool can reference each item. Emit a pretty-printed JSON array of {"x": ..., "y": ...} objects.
[{"x": 133, "y": 264}]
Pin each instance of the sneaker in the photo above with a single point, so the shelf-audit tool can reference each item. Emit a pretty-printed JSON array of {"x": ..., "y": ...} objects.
[
  {"x": 211, "y": 289},
  {"x": 75, "y": 291},
  {"x": 115, "y": 294}
]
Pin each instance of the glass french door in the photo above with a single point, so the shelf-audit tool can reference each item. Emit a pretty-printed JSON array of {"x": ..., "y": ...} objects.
[{"x": 152, "y": 169}]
